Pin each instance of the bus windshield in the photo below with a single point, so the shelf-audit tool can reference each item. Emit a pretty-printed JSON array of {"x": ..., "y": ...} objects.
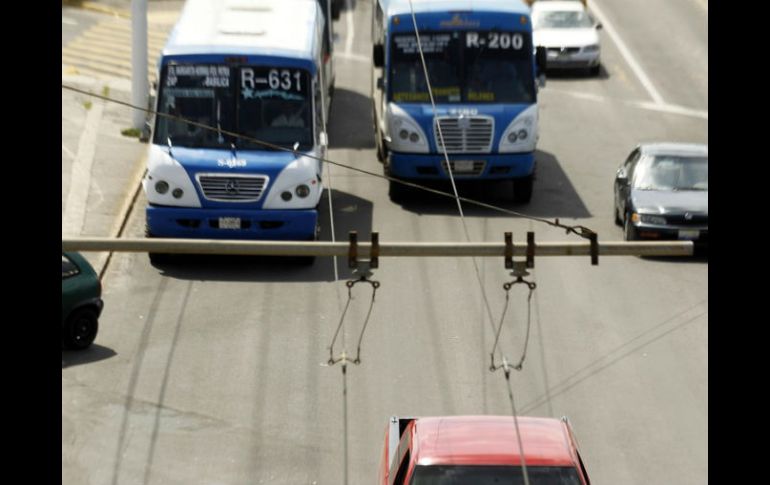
[
  {"x": 463, "y": 67},
  {"x": 268, "y": 104}
]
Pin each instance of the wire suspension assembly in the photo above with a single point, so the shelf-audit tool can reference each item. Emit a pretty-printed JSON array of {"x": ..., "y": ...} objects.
[{"x": 361, "y": 274}]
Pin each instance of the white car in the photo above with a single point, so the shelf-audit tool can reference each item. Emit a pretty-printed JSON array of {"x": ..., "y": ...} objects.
[{"x": 568, "y": 33}]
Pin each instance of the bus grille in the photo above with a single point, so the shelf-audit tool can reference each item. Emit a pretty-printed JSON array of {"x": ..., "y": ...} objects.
[
  {"x": 232, "y": 188},
  {"x": 465, "y": 135}
]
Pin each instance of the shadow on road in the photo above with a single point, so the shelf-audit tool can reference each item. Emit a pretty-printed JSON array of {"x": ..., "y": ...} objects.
[
  {"x": 94, "y": 353},
  {"x": 553, "y": 195},
  {"x": 350, "y": 122},
  {"x": 351, "y": 213}
]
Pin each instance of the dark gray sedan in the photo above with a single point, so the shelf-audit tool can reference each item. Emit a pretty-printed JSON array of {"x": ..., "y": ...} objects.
[{"x": 662, "y": 193}]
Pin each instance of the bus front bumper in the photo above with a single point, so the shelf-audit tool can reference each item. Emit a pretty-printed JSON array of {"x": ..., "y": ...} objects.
[
  {"x": 195, "y": 223},
  {"x": 464, "y": 166}
]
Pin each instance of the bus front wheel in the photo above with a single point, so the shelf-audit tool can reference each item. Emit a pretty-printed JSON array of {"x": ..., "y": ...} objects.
[{"x": 522, "y": 189}]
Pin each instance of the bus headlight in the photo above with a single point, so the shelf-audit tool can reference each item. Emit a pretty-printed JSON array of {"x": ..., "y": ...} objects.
[
  {"x": 406, "y": 134},
  {"x": 521, "y": 133},
  {"x": 161, "y": 186},
  {"x": 302, "y": 191}
]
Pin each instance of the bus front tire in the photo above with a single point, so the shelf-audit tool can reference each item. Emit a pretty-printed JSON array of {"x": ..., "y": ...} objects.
[
  {"x": 156, "y": 259},
  {"x": 522, "y": 189}
]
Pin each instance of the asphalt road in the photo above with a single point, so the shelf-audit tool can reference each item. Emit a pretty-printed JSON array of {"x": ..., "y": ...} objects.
[{"x": 214, "y": 370}]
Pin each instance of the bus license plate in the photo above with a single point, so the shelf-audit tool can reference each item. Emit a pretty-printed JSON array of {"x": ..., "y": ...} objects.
[
  {"x": 688, "y": 234},
  {"x": 463, "y": 166},
  {"x": 229, "y": 222}
]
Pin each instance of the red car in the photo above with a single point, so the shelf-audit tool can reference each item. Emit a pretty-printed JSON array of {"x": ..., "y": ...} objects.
[{"x": 479, "y": 450}]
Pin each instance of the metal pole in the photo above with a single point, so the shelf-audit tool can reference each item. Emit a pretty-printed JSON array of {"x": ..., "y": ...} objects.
[
  {"x": 139, "y": 79},
  {"x": 408, "y": 249}
]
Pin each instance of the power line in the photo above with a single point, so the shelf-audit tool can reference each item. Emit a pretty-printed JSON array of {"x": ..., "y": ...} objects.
[{"x": 574, "y": 229}]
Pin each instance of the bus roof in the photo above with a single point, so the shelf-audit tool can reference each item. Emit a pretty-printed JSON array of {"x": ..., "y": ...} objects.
[
  {"x": 400, "y": 7},
  {"x": 247, "y": 27}
]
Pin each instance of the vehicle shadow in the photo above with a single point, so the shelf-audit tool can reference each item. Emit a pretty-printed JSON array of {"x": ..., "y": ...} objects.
[
  {"x": 350, "y": 121},
  {"x": 351, "y": 213},
  {"x": 553, "y": 195},
  {"x": 576, "y": 73},
  {"x": 94, "y": 353}
]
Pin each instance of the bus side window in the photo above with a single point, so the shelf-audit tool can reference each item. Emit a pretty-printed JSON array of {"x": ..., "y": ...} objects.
[{"x": 319, "y": 107}]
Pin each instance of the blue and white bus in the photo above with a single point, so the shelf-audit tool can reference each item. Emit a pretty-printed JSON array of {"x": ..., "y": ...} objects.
[
  {"x": 484, "y": 75},
  {"x": 255, "y": 68}
]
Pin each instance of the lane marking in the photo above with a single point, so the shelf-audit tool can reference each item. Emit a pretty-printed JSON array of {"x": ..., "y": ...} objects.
[
  {"x": 68, "y": 152},
  {"x": 69, "y": 21},
  {"x": 351, "y": 31},
  {"x": 80, "y": 175},
  {"x": 354, "y": 57},
  {"x": 626, "y": 53},
  {"x": 646, "y": 105}
]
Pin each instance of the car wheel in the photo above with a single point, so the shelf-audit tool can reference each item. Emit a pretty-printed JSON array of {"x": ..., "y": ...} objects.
[
  {"x": 629, "y": 231},
  {"x": 80, "y": 329},
  {"x": 595, "y": 70},
  {"x": 522, "y": 189}
]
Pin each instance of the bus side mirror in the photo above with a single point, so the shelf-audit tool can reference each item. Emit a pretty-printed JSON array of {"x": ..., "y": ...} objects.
[
  {"x": 378, "y": 55},
  {"x": 541, "y": 58}
]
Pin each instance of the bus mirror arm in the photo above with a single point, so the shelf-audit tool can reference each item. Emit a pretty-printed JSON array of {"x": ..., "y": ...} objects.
[{"x": 378, "y": 55}]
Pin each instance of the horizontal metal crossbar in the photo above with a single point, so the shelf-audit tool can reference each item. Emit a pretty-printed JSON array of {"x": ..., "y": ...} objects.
[{"x": 386, "y": 249}]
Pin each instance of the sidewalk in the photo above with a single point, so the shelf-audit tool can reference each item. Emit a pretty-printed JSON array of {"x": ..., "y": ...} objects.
[{"x": 101, "y": 168}]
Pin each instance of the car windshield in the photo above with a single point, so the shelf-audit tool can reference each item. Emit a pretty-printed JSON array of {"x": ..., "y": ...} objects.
[
  {"x": 493, "y": 475},
  {"x": 561, "y": 20},
  {"x": 667, "y": 172},
  {"x": 268, "y": 104},
  {"x": 473, "y": 66}
]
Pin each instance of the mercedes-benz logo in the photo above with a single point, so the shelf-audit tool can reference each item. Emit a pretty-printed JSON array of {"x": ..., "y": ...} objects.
[
  {"x": 232, "y": 186},
  {"x": 463, "y": 122}
]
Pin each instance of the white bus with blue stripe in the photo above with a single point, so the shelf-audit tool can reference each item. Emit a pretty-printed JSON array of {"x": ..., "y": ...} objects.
[
  {"x": 254, "y": 68},
  {"x": 483, "y": 72}
]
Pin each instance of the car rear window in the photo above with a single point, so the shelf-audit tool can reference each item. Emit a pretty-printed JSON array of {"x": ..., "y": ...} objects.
[{"x": 493, "y": 475}]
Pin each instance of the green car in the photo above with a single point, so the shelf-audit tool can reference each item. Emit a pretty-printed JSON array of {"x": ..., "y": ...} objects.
[{"x": 81, "y": 302}]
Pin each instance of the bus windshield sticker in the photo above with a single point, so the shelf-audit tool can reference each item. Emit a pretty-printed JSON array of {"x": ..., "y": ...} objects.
[{"x": 213, "y": 76}]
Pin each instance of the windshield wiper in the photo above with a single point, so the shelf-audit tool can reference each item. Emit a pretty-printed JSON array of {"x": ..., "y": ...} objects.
[{"x": 220, "y": 138}]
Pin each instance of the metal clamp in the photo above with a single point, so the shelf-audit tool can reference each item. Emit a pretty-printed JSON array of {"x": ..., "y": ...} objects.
[{"x": 361, "y": 267}]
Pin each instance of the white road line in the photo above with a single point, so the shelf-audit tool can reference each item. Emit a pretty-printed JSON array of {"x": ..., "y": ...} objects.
[
  {"x": 351, "y": 32},
  {"x": 69, "y": 21},
  {"x": 626, "y": 53},
  {"x": 354, "y": 57},
  {"x": 80, "y": 176},
  {"x": 646, "y": 105},
  {"x": 68, "y": 152}
]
